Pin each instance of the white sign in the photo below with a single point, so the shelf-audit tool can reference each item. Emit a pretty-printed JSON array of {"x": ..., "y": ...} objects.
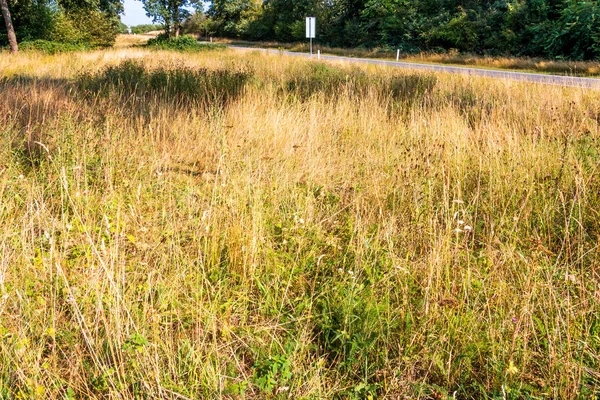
[{"x": 311, "y": 27}]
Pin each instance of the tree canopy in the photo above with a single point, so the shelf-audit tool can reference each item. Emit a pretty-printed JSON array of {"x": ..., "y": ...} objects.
[
  {"x": 547, "y": 28},
  {"x": 171, "y": 13}
]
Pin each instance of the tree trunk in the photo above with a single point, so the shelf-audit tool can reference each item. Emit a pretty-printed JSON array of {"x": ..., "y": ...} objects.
[
  {"x": 176, "y": 24},
  {"x": 12, "y": 38}
]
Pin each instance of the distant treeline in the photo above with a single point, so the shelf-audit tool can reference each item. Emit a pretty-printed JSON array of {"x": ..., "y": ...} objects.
[
  {"x": 544, "y": 28},
  {"x": 138, "y": 29}
]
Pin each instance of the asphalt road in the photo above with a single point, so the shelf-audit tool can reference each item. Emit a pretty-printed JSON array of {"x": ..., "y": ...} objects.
[{"x": 558, "y": 80}]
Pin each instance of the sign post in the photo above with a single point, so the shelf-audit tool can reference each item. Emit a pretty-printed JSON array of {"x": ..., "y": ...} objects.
[{"x": 311, "y": 30}]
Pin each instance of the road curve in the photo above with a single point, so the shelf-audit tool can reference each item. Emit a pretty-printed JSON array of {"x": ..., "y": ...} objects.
[{"x": 558, "y": 80}]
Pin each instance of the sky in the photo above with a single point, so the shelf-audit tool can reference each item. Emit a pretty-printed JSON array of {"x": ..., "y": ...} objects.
[{"x": 134, "y": 13}]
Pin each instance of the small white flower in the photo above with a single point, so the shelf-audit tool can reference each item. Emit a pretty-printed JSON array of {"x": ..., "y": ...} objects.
[
  {"x": 282, "y": 389},
  {"x": 468, "y": 228},
  {"x": 461, "y": 222},
  {"x": 398, "y": 267}
]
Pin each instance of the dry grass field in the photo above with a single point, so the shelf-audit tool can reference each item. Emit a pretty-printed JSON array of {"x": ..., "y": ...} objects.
[{"x": 217, "y": 225}]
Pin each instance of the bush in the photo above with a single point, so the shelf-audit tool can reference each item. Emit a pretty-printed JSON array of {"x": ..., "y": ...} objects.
[
  {"x": 182, "y": 43},
  {"x": 49, "y": 47}
]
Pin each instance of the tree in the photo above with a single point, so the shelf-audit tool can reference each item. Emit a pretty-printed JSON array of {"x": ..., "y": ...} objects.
[
  {"x": 12, "y": 38},
  {"x": 170, "y": 13},
  {"x": 231, "y": 17},
  {"x": 195, "y": 24},
  {"x": 388, "y": 22},
  {"x": 94, "y": 23},
  {"x": 576, "y": 34}
]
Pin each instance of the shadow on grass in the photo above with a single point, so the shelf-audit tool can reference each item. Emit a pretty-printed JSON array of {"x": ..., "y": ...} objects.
[
  {"x": 129, "y": 90},
  {"x": 333, "y": 81},
  {"x": 195, "y": 86}
]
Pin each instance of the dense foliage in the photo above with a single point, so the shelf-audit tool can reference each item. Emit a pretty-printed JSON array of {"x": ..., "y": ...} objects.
[
  {"x": 77, "y": 23},
  {"x": 171, "y": 13},
  {"x": 548, "y": 28},
  {"x": 196, "y": 23}
]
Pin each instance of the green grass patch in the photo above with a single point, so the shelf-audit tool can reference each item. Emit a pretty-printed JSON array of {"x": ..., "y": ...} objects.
[
  {"x": 181, "y": 43},
  {"x": 49, "y": 47}
]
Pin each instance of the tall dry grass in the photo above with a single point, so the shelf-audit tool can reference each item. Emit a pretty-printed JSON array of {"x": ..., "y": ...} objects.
[{"x": 216, "y": 225}]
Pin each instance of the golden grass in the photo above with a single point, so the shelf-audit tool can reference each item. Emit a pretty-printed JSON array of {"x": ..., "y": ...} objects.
[
  {"x": 331, "y": 230},
  {"x": 124, "y": 41},
  {"x": 561, "y": 67}
]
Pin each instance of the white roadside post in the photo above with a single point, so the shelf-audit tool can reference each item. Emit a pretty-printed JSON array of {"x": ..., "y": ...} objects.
[
  {"x": 398, "y": 55},
  {"x": 311, "y": 30}
]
